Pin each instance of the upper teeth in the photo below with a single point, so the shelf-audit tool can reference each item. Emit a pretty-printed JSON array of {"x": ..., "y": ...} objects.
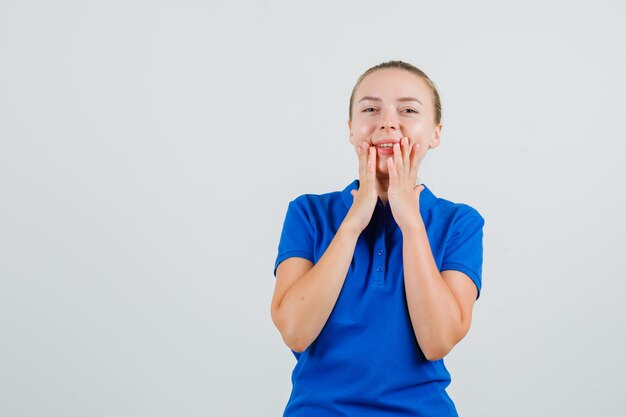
[{"x": 385, "y": 145}]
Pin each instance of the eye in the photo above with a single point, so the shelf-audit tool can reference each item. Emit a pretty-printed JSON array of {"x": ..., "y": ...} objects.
[
  {"x": 368, "y": 110},
  {"x": 410, "y": 111}
]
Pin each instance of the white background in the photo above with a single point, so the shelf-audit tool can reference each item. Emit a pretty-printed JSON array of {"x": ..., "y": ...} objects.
[{"x": 148, "y": 151}]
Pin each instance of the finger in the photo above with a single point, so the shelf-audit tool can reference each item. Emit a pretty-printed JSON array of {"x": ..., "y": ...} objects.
[
  {"x": 406, "y": 152},
  {"x": 371, "y": 165},
  {"x": 397, "y": 158},
  {"x": 415, "y": 160},
  {"x": 362, "y": 161},
  {"x": 393, "y": 172}
]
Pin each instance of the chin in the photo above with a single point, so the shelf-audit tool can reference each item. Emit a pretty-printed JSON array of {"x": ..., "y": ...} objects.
[
  {"x": 381, "y": 166},
  {"x": 382, "y": 172}
]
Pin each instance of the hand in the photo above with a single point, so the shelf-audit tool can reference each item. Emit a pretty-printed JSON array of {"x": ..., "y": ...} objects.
[
  {"x": 403, "y": 193},
  {"x": 365, "y": 197}
]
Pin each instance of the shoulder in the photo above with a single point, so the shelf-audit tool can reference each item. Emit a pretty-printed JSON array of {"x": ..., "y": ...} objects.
[
  {"x": 315, "y": 200},
  {"x": 326, "y": 202},
  {"x": 321, "y": 211},
  {"x": 455, "y": 210},
  {"x": 451, "y": 215}
]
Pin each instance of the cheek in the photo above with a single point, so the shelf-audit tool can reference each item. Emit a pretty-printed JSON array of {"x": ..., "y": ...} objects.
[
  {"x": 357, "y": 140},
  {"x": 361, "y": 130},
  {"x": 422, "y": 136}
]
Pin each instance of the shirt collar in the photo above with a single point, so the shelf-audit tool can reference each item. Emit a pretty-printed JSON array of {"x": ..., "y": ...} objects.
[{"x": 427, "y": 198}]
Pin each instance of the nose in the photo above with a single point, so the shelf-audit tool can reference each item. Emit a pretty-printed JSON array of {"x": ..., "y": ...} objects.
[{"x": 389, "y": 121}]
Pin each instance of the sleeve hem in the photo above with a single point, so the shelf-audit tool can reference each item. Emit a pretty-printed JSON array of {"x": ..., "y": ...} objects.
[
  {"x": 292, "y": 254},
  {"x": 467, "y": 271}
]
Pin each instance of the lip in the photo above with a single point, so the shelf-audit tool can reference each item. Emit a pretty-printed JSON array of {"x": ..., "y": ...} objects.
[
  {"x": 383, "y": 141},
  {"x": 384, "y": 151}
]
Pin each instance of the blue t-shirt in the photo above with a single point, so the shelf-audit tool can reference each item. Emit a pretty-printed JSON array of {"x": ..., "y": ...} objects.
[{"x": 366, "y": 360}]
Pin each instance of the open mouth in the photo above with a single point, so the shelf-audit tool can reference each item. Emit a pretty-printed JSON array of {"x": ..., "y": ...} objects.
[{"x": 385, "y": 145}]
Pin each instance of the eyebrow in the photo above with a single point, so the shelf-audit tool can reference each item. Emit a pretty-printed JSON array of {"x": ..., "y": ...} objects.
[{"x": 371, "y": 98}]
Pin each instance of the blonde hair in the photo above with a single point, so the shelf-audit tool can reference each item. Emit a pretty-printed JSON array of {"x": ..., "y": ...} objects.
[{"x": 407, "y": 67}]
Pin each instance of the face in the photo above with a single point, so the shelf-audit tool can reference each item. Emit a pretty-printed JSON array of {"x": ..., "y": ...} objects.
[{"x": 389, "y": 104}]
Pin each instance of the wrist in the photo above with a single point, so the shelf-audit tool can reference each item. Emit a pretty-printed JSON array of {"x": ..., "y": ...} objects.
[
  {"x": 415, "y": 226},
  {"x": 350, "y": 230}
]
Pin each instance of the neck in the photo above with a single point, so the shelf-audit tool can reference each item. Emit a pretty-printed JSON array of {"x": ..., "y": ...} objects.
[{"x": 382, "y": 185}]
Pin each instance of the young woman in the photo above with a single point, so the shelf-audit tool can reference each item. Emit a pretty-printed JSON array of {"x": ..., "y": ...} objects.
[{"x": 375, "y": 284}]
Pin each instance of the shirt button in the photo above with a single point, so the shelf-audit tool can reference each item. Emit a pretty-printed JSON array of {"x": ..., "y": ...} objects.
[
  {"x": 379, "y": 269},
  {"x": 380, "y": 252}
]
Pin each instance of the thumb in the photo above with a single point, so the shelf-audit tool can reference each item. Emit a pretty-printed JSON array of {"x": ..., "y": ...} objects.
[
  {"x": 353, "y": 192},
  {"x": 418, "y": 189}
]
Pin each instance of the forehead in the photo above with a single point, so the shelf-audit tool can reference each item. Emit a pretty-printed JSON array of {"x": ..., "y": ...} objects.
[{"x": 389, "y": 83}]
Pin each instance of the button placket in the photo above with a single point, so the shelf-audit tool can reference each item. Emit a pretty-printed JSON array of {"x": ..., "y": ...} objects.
[
  {"x": 379, "y": 249},
  {"x": 379, "y": 258}
]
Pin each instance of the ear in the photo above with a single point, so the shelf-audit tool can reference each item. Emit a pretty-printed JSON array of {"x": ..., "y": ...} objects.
[
  {"x": 350, "y": 130},
  {"x": 436, "y": 135}
]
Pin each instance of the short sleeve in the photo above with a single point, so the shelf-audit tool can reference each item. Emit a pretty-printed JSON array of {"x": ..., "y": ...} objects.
[
  {"x": 297, "y": 236},
  {"x": 464, "y": 248}
]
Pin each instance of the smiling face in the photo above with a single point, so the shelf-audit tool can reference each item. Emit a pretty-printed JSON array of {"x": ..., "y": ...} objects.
[{"x": 391, "y": 103}]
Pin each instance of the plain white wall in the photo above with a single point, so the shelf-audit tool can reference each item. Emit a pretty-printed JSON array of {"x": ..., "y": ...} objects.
[{"x": 148, "y": 151}]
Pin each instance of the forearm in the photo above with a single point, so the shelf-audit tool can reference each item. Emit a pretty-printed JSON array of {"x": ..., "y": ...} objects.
[
  {"x": 305, "y": 308},
  {"x": 435, "y": 315}
]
